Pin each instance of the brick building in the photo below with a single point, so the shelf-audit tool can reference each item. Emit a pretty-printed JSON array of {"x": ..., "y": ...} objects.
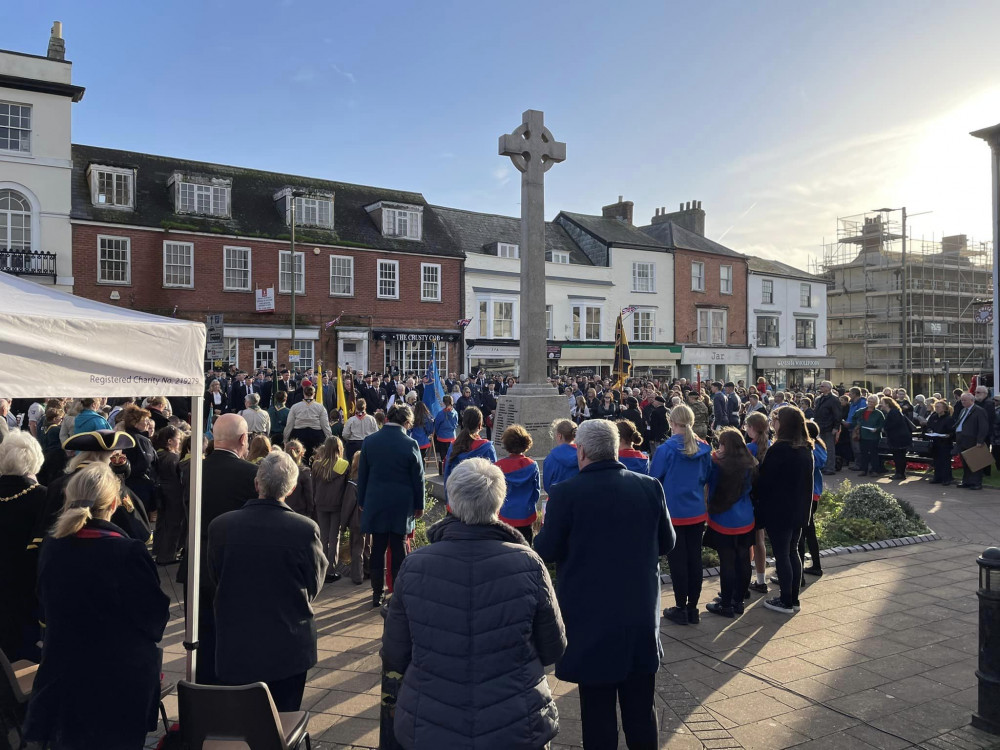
[
  {"x": 710, "y": 296},
  {"x": 176, "y": 237}
]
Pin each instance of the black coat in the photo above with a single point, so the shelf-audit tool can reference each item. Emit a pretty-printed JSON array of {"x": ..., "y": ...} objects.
[
  {"x": 942, "y": 425},
  {"x": 472, "y": 623},
  {"x": 20, "y": 517},
  {"x": 621, "y": 636},
  {"x": 828, "y": 412},
  {"x": 223, "y": 405},
  {"x": 975, "y": 430},
  {"x": 898, "y": 430},
  {"x": 237, "y": 396},
  {"x": 267, "y": 564},
  {"x": 98, "y": 685},
  {"x": 142, "y": 460},
  {"x": 785, "y": 487}
]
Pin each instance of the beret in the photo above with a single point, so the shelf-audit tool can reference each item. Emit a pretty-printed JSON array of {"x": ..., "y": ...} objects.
[{"x": 99, "y": 440}]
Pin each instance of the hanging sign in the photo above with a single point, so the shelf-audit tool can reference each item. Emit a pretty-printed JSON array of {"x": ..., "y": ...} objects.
[{"x": 265, "y": 300}]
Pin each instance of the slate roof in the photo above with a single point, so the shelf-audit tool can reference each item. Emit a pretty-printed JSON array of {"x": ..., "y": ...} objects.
[
  {"x": 672, "y": 235},
  {"x": 473, "y": 231},
  {"x": 614, "y": 232},
  {"x": 777, "y": 268},
  {"x": 252, "y": 200}
]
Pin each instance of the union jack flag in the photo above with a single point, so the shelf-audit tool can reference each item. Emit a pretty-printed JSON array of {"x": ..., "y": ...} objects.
[
  {"x": 628, "y": 310},
  {"x": 332, "y": 323},
  {"x": 463, "y": 322}
]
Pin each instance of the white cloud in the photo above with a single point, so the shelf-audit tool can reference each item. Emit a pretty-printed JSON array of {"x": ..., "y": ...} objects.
[
  {"x": 501, "y": 175},
  {"x": 344, "y": 74}
]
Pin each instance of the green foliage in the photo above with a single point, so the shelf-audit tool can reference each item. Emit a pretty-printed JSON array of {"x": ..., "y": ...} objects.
[
  {"x": 430, "y": 516},
  {"x": 847, "y": 532},
  {"x": 178, "y": 225},
  {"x": 872, "y": 503}
]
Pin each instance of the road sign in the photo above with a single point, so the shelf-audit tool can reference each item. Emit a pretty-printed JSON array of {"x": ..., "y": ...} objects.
[
  {"x": 293, "y": 355},
  {"x": 215, "y": 347}
]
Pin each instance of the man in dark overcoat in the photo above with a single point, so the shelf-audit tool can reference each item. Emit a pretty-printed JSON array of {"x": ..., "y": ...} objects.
[
  {"x": 268, "y": 566},
  {"x": 614, "y": 644},
  {"x": 227, "y": 482},
  {"x": 972, "y": 427}
]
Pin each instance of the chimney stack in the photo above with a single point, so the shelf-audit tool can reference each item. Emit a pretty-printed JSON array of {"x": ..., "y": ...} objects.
[
  {"x": 622, "y": 210},
  {"x": 690, "y": 216},
  {"x": 57, "y": 47}
]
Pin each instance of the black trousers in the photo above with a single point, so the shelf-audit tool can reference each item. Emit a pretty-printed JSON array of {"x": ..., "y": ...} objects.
[
  {"x": 380, "y": 543},
  {"x": 441, "y": 448},
  {"x": 600, "y": 723},
  {"x": 970, "y": 478},
  {"x": 899, "y": 459},
  {"x": 808, "y": 539},
  {"x": 350, "y": 448},
  {"x": 527, "y": 532},
  {"x": 310, "y": 438},
  {"x": 869, "y": 457},
  {"x": 734, "y": 566},
  {"x": 685, "y": 564},
  {"x": 942, "y": 461},
  {"x": 287, "y": 693},
  {"x": 788, "y": 564}
]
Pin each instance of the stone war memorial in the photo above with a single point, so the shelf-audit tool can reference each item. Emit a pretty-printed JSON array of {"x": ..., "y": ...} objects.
[{"x": 533, "y": 402}]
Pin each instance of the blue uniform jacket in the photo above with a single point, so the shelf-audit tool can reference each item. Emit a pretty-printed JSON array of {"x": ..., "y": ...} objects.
[
  {"x": 523, "y": 490},
  {"x": 819, "y": 461},
  {"x": 480, "y": 449},
  {"x": 445, "y": 424},
  {"x": 422, "y": 433},
  {"x": 559, "y": 465},
  {"x": 634, "y": 460},
  {"x": 739, "y": 518},
  {"x": 683, "y": 478},
  {"x": 89, "y": 420}
]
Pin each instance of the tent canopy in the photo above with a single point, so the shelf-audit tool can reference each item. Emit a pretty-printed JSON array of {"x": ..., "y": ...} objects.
[{"x": 53, "y": 343}]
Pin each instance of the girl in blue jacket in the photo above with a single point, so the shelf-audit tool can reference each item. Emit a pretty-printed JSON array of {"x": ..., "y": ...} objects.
[
  {"x": 561, "y": 463},
  {"x": 467, "y": 444},
  {"x": 730, "y": 519},
  {"x": 445, "y": 424},
  {"x": 628, "y": 451},
  {"x": 758, "y": 430},
  {"x": 519, "y": 509},
  {"x": 423, "y": 424},
  {"x": 683, "y": 465},
  {"x": 808, "y": 537}
]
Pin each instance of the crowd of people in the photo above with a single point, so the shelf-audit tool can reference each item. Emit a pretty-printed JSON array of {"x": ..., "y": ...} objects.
[{"x": 94, "y": 496}]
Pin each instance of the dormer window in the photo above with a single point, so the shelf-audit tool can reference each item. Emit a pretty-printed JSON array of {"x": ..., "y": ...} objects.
[
  {"x": 111, "y": 187},
  {"x": 560, "y": 257},
  {"x": 313, "y": 209},
  {"x": 398, "y": 220},
  {"x": 196, "y": 194},
  {"x": 508, "y": 250}
]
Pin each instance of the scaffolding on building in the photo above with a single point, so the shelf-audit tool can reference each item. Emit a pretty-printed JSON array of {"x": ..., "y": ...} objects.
[{"x": 905, "y": 313}]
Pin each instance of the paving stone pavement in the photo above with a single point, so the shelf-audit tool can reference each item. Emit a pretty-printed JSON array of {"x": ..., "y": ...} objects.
[{"x": 882, "y": 655}]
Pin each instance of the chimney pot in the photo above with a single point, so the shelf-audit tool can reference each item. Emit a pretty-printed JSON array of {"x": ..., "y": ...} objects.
[
  {"x": 657, "y": 212},
  {"x": 620, "y": 198},
  {"x": 57, "y": 47},
  {"x": 682, "y": 206}
]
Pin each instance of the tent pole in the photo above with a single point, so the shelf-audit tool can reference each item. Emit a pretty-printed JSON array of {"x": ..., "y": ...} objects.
[{"x": 194, "y": 537}]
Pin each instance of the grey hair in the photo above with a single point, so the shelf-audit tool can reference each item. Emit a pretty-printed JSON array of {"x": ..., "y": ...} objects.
[
  {"x": 20, "y": 454},
  {"x": 598, "y": 438},
  {"x": 277, "y": 475},
  {"x": 253, "y": 399},
  {"x": 476, "y": 491}
]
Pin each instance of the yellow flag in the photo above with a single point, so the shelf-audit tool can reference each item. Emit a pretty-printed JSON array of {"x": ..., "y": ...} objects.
[
  {"x": 319, "y": 382},
  {"x": 341, "y": 401}
]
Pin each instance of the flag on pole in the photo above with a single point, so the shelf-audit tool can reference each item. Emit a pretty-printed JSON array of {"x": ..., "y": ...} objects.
[
  {"x": 623, "y": 357},
  {"x": 463, "y": 323},
  {"x": 332, "y": 323},
  {"x": 433, "y": 387},
  {"x": 319, "y": 382},
  {"x": 628, "y": 310},
  {"x": 341, "y": 401},
  {"x": 208, "y": 421}
]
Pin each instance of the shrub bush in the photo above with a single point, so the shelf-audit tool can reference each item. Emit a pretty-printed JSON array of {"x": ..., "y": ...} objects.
[{"x": 870, "y": 502}]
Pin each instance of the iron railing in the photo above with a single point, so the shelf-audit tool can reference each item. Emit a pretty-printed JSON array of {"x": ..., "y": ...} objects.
[{"x": 27, "y": 263}]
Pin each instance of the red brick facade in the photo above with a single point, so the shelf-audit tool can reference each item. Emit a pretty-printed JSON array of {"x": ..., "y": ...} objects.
[
  {"x": 687, "y": 302},
  {"x": 147, "y": 292}
]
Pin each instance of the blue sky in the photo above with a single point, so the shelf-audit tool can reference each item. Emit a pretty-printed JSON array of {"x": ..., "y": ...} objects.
[{"x": 778, "y": 116}]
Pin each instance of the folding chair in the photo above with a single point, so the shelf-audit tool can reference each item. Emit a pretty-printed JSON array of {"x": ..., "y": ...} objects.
[
  {"x": 212, "y": 713},
  {"x": 15, "y": 690}
]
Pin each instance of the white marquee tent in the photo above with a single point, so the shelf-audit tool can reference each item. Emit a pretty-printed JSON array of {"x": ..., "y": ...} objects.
[{"x": 56, "y": 344}]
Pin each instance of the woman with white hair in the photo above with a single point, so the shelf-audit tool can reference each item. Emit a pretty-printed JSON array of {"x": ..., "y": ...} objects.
[
  {"x": 471, "y": 626},
  {"x": 258, "y": 420},
  {"x": 98, "y": 684},
  {"x": 22, "y": 502}
]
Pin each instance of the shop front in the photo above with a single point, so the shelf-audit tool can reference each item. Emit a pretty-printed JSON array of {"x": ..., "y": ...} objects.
[
  {"x": 793, "y": 372},
  {"x": 410, "y": 351},
  {"x": 715, "y": 363},
  {"x": 492, "y": 358}
]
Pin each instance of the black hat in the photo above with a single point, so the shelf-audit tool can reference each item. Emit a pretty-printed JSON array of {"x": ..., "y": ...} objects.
[
  {"x": 99, "y": 440},
  {"x": 660, "y": 399},
  {"x": 730, "y": 384}
]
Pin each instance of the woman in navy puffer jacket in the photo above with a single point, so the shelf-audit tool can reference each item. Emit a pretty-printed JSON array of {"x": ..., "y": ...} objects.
[{"x": 471, "y": 625}]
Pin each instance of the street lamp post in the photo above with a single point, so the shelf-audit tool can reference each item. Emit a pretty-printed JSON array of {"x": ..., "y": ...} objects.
[
  {"x": 295, "y": 195},
  {"x": 992, "y": 137}
]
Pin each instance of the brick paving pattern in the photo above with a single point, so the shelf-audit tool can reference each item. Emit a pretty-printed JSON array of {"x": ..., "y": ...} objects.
[{"x": 883, "y": 654}]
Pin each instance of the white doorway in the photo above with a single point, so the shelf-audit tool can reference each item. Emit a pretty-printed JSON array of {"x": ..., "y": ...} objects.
[{"x": 352, "y": 350}]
